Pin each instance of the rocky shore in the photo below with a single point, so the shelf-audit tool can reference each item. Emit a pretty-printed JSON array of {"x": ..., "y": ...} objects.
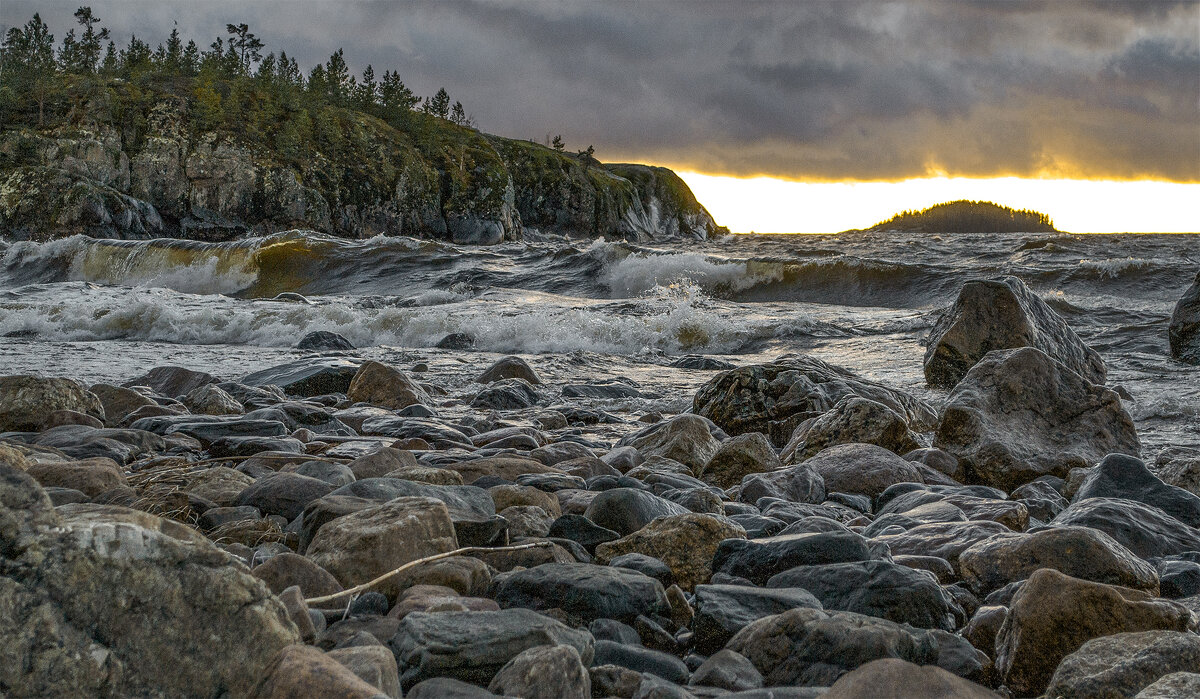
[{"x": 340, "y": 527}]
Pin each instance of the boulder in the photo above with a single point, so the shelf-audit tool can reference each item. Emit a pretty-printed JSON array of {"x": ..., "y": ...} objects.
[
  {"x": 1123, "y": 664},
  {"x": 324, "y": 340},
  {"x": 1177, "y": 685},
  {"x": 1183, "y": 333},
  {"x": 759, "y": 559},
  {"x": 66, "y": 579},
  {"x": 172, "y": 381},
  {"x": 1146, "y": 531},
  {"x": 1121, "y": 476},
  {"x": 505, "y": 496},
  {"x": 288, "y": 569},
  {"x": 509, "y": 368},
  {"x": 998, "y": 315},
  {"x": 583, "y": 590},
  {"x": 853, "y": 420},
  {"x": 118, "y": 402},
  {"x": 686, "y": 543},
  {"x": 941, "y": 539},
  {"x": 739, "y": 457},
  {"x": 220, "y": 484},
  {"x": 283, "y": 494},
  {"x": 688, "y": 439},
  {"x": 774, "y": 398},
  {"x": 386, "y": 387},
  {"x": 1019, "y": 414},
  {"x": 363, "y": 545},
  {"x": 796, "y": 483},
  {"x": 210, "y": 399},
  {"x": 25, "y": 401},
  {"x": 474, "y": 646},
  {"x": 892, "y": 678},
  {"x": 1081, "y": 552},
  {"x": 644, "y": 660},
  {"x": 374, "y": 665},
  {"x": 508, "y": 394},
  {"x": 1054, "y": 614},
  {"x": 58, "y": 418},
  {"x": 89, "y": 476},
  {"x": 316, "y": 376},
  {"x": 626, "y": 510},
  {"x": 727, "y": 670},
  {"x": 545, "y": 672},
  {"x": 875, "y": 588},
  {"x": 304, "y": 671},
  {"x": 863, "y": 469},
  {"x": 723, "y": 610}
]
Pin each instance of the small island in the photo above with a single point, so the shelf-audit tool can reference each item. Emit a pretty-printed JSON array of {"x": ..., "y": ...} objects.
[{"x": 964, "y": 216}]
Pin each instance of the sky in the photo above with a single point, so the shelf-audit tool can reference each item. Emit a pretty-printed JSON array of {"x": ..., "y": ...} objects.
[{"x": 796, "y": 95}]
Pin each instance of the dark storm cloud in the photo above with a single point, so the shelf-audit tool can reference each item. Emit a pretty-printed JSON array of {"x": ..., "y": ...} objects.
[{"x": 835, "y": 89}]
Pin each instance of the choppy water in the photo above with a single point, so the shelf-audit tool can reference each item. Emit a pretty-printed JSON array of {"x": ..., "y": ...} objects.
[{"x": 108, "y": 310}]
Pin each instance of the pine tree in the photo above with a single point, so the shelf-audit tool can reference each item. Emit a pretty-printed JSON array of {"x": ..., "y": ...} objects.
[
  {"x": 367, "y": 95},
  {"x": 558, "y": 144},
  {"x": 189, "y": 63},
  {"x": 458, "y": 115},
  {"x": 174, "y": 53},
  {"x": 438, "y": 105},
  {"x": 27, "y": 64},
  {"x": 337, "y": 79},
  {"x": 245, "y": 45}
]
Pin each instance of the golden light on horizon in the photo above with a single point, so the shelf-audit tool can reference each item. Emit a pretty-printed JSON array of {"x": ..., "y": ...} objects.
[{"x": 771, "y": 205}]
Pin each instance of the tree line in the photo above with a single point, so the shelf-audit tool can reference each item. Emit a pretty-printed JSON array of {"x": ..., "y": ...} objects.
[
  {"x": 229, "y": 85},
  {"x": 964, "y": 216}
]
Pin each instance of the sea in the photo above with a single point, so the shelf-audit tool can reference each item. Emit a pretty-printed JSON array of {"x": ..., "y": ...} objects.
[{"x": 588, "y": 310}]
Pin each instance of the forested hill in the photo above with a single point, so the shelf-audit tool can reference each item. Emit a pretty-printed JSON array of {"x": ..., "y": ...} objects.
[
  {"x": 212, "y": 144},
  {"x": 964, "y": 216}
]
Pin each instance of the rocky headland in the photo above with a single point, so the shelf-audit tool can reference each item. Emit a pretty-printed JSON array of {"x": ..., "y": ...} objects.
[{"x": 341, "y": 527}]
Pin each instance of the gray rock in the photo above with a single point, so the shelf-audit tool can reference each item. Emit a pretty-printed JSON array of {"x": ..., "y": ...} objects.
[
  {"x": 1184, "y": 331},
  {"x": 626, "y": 510},
  {"x": 641, "y": 659},
  {"x": 509, "y": 368},
  {"x": 723, "y": 610},
  {"x": 1177, "y": 685},
  {"x": 760, "y": 559},
  {"x": 507, "y": 394},
  {"x": 892, "y": 678},
  {"x": 1019, "y": 414},
  {"x": 1146, "y": 531},
  {"x": 374, "y": 664},
  {"x": 863, "y": 469},
  {"x": 581, "y": 589},
  {"x": 324, "y": 340},
  {"x": 796, "y": 483},
  {"x": 307, "y": 377},
  {"x": 173, "y": 381},
  {"x": 210, "y": 399},
  {"x": 997, "y": 315},
  {"x": 25, "y": 401},
  {"x": 726, "y": 669},
  {"x": 738, "y": 457},
  {"x": 1126, "y": 477},
  {"x": 689, "y": 439},
  {"x": 942, "y": 539},
  {"x": 284, "y": 494},
  {"x": 1123, "y": 664},
  {"x": 545, "y": 672},
  {"x": 853, "y": 420}
]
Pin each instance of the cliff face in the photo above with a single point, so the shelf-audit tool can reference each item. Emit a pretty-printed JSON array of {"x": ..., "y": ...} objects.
[{"x": 163, "y": 178}]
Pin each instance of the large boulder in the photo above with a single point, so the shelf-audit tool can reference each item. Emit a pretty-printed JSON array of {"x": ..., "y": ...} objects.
[
  {"x": 876, "y": 588},
  {"x": 89, "y": 476},
  {"x": 474, "y": 646},
  {"x": 386, "y": 387},
  {"x": 544, "y": 672},
  {"x": 1019, "y": 414},
  {"x": 738, "y": 457},
  {"x": 584, "y": 590},
  {"x": 1177, "y": 685},
  {"x": 892, "y": 678},
  {"x": 758, "y": 559},
  {"x": 686, "y": 543},
  {"x": 1054, "y": 614},
  {"x": 1184, "y": 331},
  {"x": 626, "y": 510},
  {"x": 1123, "y": 664},
  {"x": 283, "y": 494},
  {"x": 946, "y": 540},
  {"x": 852, "y": 420},
  {"x": 26, "y": 401},
  {"x": 173, "y": 381},
  {"x": 1002, "y": 314},
  {"x": 66, "y": 581},
  {"x": 307, "y": 377},
  {"x": 363, "y": 545},
  {"x": 723, "y": 610},
  {"x": 509, "y": 368},
  {"x": 119, "y": 401},
  {"x": 300, "y": 671},
  {"x": 688, "y": 439},
  {"x": 1121, "y": 476},
  {"x": 1081, "y": 552},
  {"x": 1146, "y": 531},
  {"x": 862, "y": 469},
  {"x": 774, "y": 398}
]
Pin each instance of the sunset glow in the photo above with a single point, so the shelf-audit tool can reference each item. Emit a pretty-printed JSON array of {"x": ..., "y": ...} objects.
[{"x": 770, "y": 205}]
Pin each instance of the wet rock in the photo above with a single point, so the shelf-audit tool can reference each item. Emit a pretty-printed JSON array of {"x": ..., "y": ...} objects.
[
  {"x": 761, "y": 559},
  {"x": 1126, "y": 477},
  {"x": 173, "y": 381},
  {"x": 1041, "y": 500},
  {"x": 380, "y": 463},
  {"x": 981, "y": 630},
  {"x": 65, "y": 586},
  {"x": 471, "y": 509},
  {"x": 434, "y": 432},
  {"x": 614, "y": 389},
  {"x": 864, "y": 469},
  {"x": 336, "y": 475},
  {"x": 727, "y": 670},
  {"x": 942, "y": 539},
  {"x": 1146, "y": 531},
  {"x": 1123, "y": 664},
  {"x": 641, "y": 659},
  {"x": 363, "y": 545},
  {"x": 559, "y": 452},
  {"x": 998, "y": 315},
  {"x": 875, "y": 588},
  {"x": 723, "y": 610},
  {"x": 1178, "y": 578},
  {"x": 545, "y": 672},
  {"x": 1180, "y": 468},
  {"x": 284, "y": 494},
  {"x": 90, "y": 476},
  {"x": 59, "y": 418},
  {"x": 209, "y": 399},
  {"x": 509, "y": 368},
  {"x": 308, "y": 377},
  {"x": 324, "y": 340},
  {"x": 626, "y": 510},
  {"x": 688, "y": 439},
  {"x": 305, "y": 671},
  {"x": 1054, "y": 614},
  {"x": 1184, "y": 330},
  {"x": 386, "y": 387},
  {"x": 774, "y": 398},
  {"x": 25, "y": 401},
  {"x": 738, "y": 457},
  {"x": 507, "y": 394},
  {"x": 584, "y": 590},
  {"x": 581, "y": 530},
  {"x": 892, "y": 678},
  {"x": 84, "y": 442},
  {"x": 119, "y": 402},
  {"x": 797, "y": 483},
  {"x": 374, "y": 665},
  {"x": 1081, "y": 552},
  {"x": 686, "y": 543},
  {"x": 287, "y": 569},
  {"x": 852, "y": 420},
  {"x": 646, "y": 565},
  {"x": 1177, "y": 685},
  {"x": 456, "y": 341},
  {"x": 1018, "y": 414},
  {"x": 701, "y": 363},
  {"x": 938, "y": 460},
  {"x": 473, "y": 646}
]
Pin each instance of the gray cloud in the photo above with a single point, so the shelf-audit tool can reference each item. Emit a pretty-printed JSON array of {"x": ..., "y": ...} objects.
[{"x": 833, "y": 89}]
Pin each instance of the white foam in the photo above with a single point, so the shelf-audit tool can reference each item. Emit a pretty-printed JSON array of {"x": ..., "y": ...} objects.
[
  {"x": 638, "y": 273},
  {"x": 1111, "y": 269}
]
